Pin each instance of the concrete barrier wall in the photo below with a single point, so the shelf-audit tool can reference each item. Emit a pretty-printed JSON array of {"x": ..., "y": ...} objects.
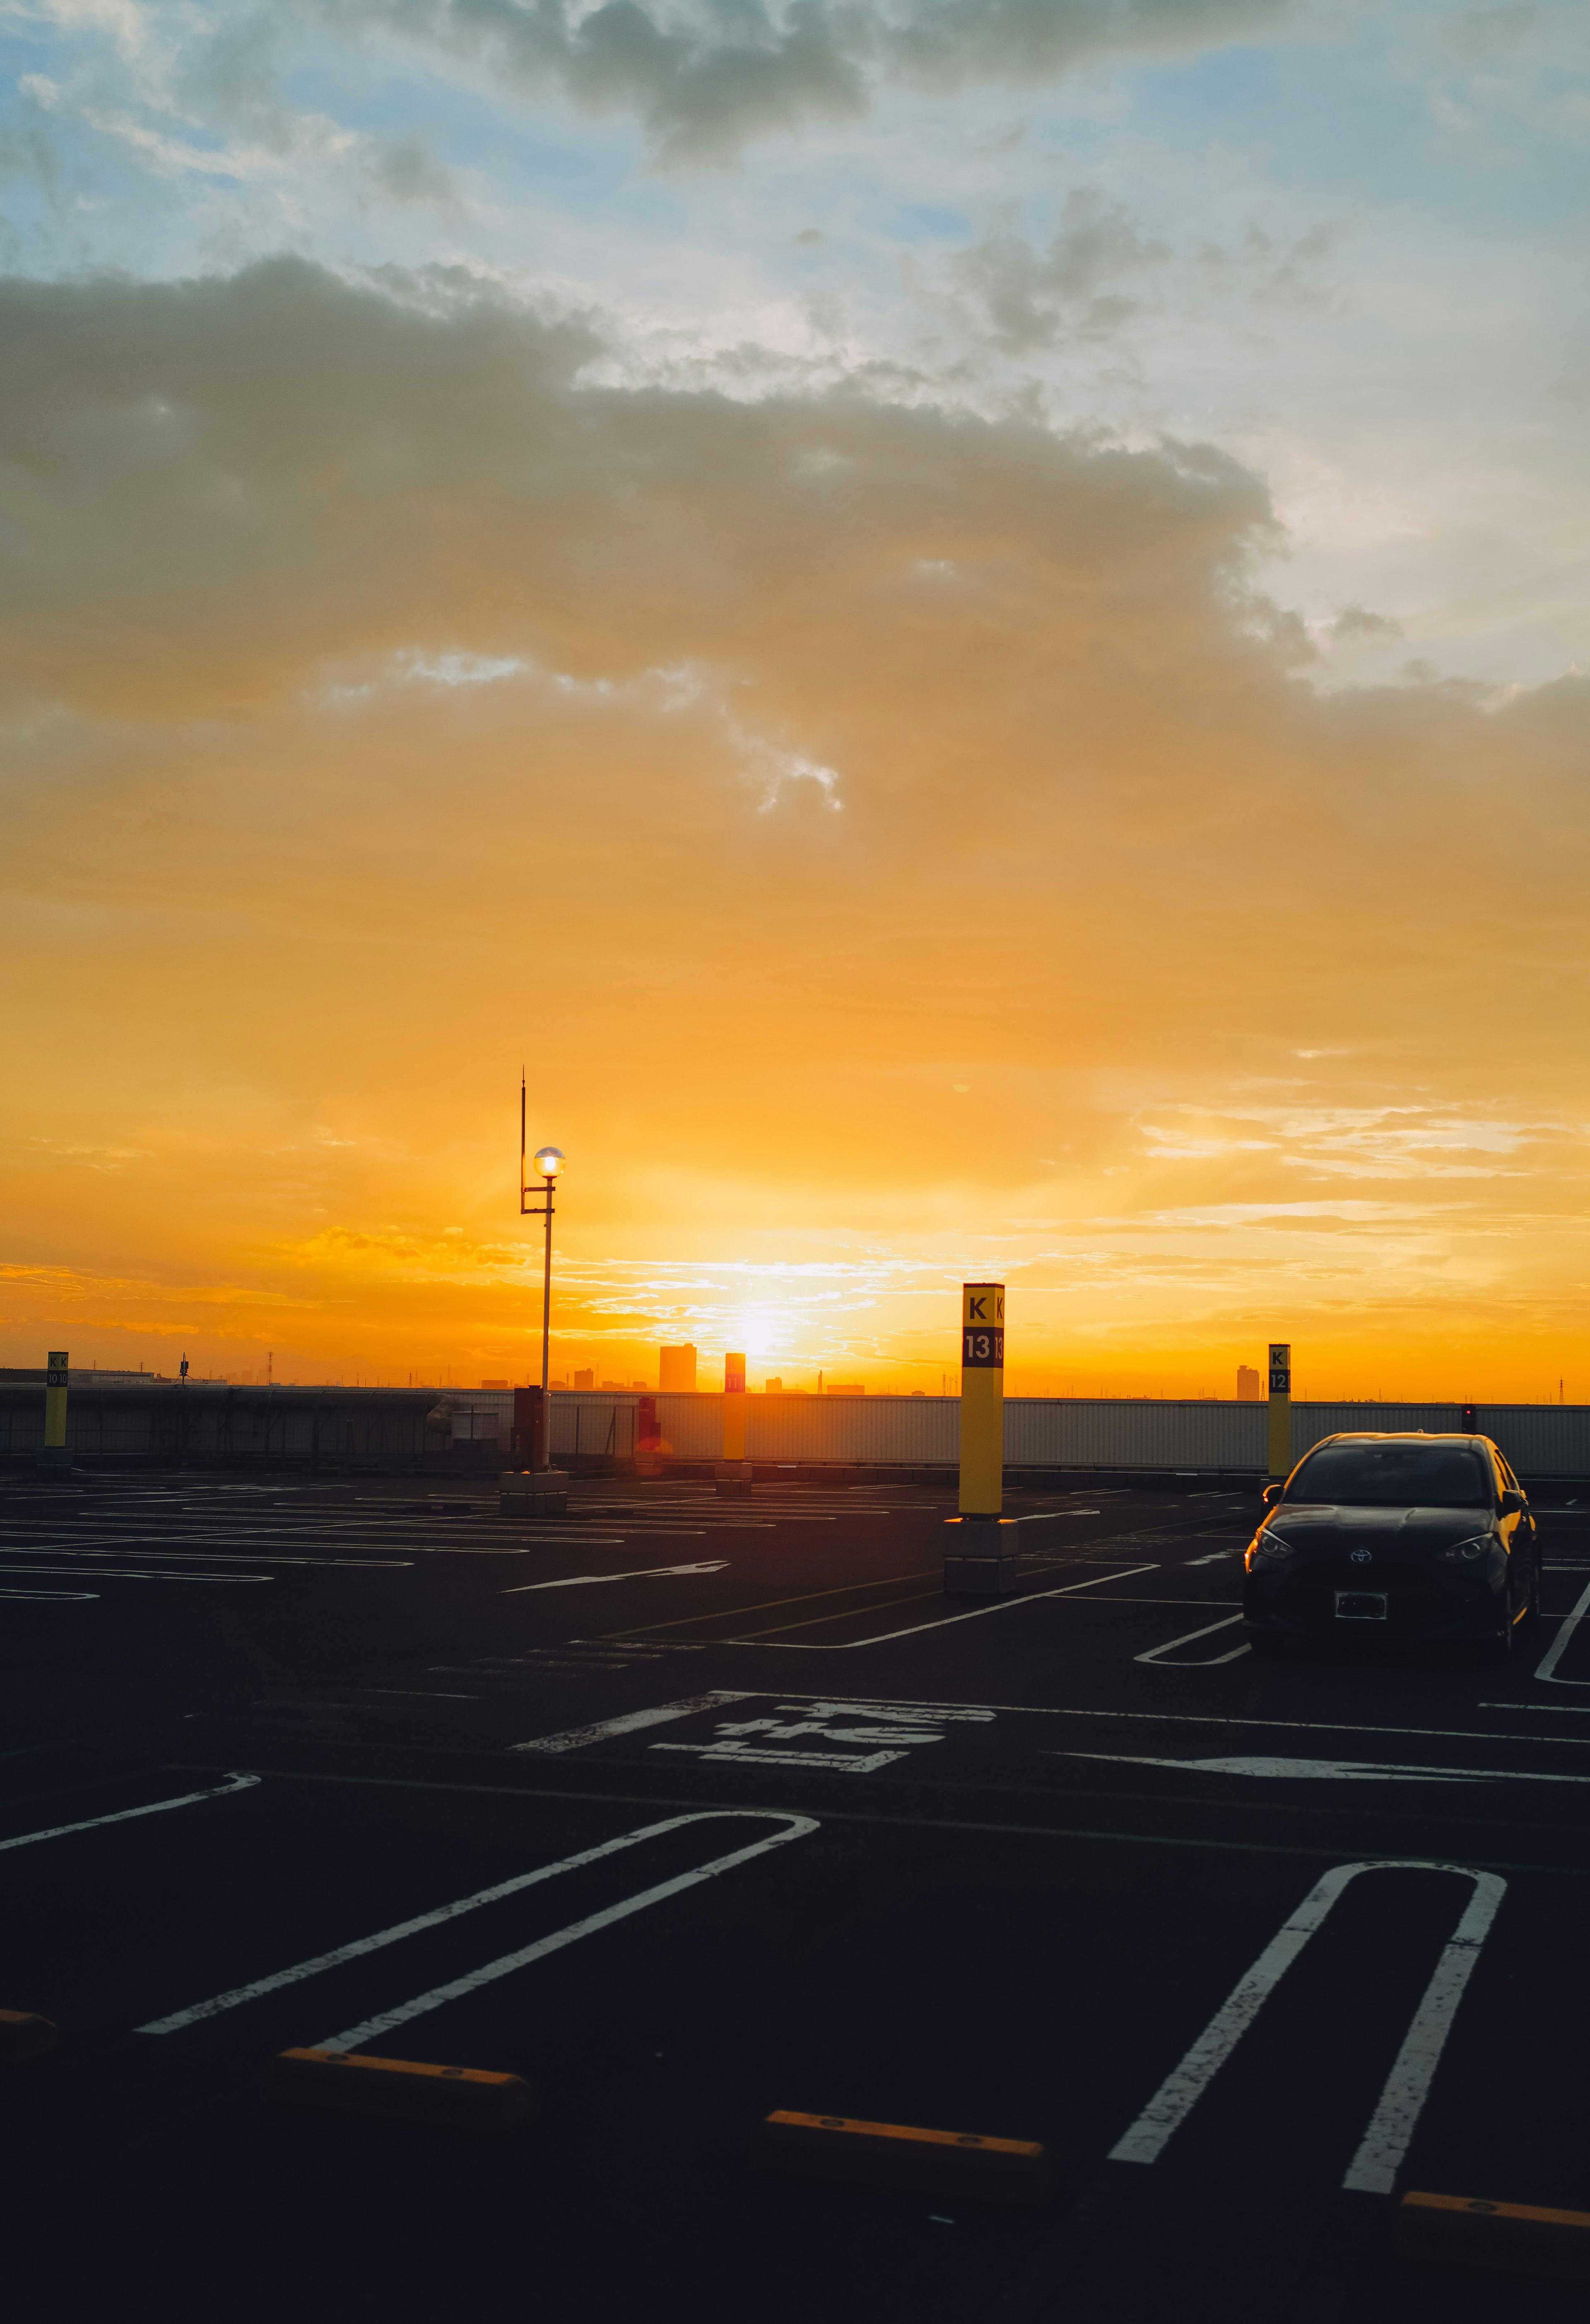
[
  {"x": 206, "y": 1423},
  {"x": 1541, "y": 1440},
  {"x": 1040, "y": 1432}
]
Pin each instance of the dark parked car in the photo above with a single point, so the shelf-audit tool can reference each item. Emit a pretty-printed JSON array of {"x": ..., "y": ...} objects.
[{"x": 1422, "y": 1539}]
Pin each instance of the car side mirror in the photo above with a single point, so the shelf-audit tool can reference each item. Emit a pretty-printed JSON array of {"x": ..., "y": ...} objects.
[
  {"x": 1272, "y": 1493},
  {"x": 1512, "y": 1503}
]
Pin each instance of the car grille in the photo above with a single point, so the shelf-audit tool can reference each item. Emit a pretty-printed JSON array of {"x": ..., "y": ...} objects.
[{"x": 1414, "y": 1599}]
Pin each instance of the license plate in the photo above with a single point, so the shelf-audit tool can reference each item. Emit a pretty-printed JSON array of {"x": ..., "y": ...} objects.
[{"x": 1360, "y": 1605}]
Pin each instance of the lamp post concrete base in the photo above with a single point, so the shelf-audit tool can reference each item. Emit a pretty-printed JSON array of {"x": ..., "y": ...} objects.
[
  {"x": 533, "y": 1493},
  {"x": 981, "y": 1577},
  {"x": 983, "y": 1556}
]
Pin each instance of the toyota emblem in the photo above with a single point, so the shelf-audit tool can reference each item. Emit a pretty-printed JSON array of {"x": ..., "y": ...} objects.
[{"x": 1360, "y": 1557}]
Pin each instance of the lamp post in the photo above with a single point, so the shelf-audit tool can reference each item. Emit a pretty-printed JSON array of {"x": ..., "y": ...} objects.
[{"x": 548, "y": 1161}]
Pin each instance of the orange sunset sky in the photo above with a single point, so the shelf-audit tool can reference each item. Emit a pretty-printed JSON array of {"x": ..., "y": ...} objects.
[{"x": 977, "y": 675}]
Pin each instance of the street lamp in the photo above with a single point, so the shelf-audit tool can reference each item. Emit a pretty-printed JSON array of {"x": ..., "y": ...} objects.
[{"x": 548, "y": 1161}]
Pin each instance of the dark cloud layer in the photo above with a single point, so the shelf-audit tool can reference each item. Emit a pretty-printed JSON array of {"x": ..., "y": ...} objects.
[
  {"x": 210, "y": 490},
  {"x": 704, "y": 75}
]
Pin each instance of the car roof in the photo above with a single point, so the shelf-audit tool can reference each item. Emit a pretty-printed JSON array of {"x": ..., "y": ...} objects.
[{"x": 1405, "y": 1436}]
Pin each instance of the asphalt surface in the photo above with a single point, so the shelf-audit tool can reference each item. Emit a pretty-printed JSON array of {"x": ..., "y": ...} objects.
[{"x": 984, "y": 1867}]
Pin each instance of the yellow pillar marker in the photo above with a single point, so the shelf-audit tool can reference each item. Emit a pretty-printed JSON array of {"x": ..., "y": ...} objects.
[
  {"x": 734, "y": 1471},
  {"x": 53, "y": 1455},
  {"x": 55, "y": 1397},
  {"x": 734, "y": 1408},
  {"x": 982, "y": 1399},
  {"x": 1280, "y": 1409}
]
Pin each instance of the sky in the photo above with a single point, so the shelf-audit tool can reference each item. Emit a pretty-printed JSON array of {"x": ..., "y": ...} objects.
[{"x": 960, "y": 624}]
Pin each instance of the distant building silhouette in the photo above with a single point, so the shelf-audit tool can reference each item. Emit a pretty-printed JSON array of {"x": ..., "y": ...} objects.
[
  {"x": 585, "y": 1379},
  {"x": 1250, "y": 1387},
  {"x": 677, "y": 1369},
  {"x": 847, "y": 1387},
  {"x": 494, "y": 1383},
  {"x": 773, "y": 1388}
]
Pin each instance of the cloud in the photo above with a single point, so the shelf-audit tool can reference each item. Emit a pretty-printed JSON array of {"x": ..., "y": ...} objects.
[
  {"x": 1100, "y": 278},
  {"x": 1355, "y": 625},
  {"x": 391, "y": 698},
  {"x": 706, "y": 75},
  {"x": 230, "y": 482},
  {"x": 409, "y": 172},
  {"x": 1027, "y": 297}
]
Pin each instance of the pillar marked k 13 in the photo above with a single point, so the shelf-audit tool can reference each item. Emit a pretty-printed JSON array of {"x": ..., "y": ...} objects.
[{"x": 982, "y": 1399}]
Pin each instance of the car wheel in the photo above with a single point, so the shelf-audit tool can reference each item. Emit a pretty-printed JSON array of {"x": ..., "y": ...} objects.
[
  {"x": 1494, "y": 1654},
  {"x": 1263, "y": 1642}
]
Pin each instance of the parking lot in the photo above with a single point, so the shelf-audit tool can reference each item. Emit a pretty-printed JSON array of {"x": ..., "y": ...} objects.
[{"x": 686, "y": 1809}]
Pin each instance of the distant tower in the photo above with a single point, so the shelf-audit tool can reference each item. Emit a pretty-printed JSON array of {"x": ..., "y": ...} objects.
[
  {"x": 1250, "y": 1387},
  {"x": 676, "y": 1370}
]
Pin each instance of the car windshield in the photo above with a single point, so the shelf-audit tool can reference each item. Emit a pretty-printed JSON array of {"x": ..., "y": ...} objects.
[{"x": 1394, "y": 1476}]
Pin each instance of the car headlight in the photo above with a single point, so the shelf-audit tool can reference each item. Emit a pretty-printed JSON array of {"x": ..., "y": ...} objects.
[
  {"x": 1467, "y": 1553},
  {"x": 1269, "y": 1549}
]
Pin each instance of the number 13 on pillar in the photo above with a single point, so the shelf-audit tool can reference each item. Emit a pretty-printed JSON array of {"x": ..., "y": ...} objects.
[{"x": 982, "y": 1399}]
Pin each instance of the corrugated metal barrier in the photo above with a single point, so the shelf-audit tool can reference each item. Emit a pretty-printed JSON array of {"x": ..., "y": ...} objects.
[
  {"x": 1541, "y": 1440},
  {"x": 1040, "y": 1432}
]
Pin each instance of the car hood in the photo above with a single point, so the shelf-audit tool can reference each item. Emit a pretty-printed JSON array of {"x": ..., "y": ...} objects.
[{"x": 1309, "y": 1526}]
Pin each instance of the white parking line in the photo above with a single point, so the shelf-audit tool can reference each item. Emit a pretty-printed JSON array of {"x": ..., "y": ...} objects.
[
  {"x": 125, "y": 1573},
  {"x": 1204, "y": 1661},
  {"x": 206, "y": 1556},
  {"x": 239, "y": 1994},
  {"x": 1220, "y": 1719},
  {"x": 693, "y": 1533},
  {"x": 372, "y": 2028},
  {"x": 643, "y": 1573},
  {"x": 1000, "y": 1606},
  {"x": 1546, "y": 1669},
  {"x": 1364, "y": 1771},
  {"x": 81, "y": 1596},
  {"x": 575, "y": 1738},
  {"x": 768, "y": 1756},
  {"x": 126, "y": 1815},
  {"x": 1373, "y": 2168},
  {"x": 1541, "y": 1710}
]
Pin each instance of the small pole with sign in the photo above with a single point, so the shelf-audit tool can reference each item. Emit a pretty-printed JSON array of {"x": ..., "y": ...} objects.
[
  {"x": 982, "y": 1399},
  {"x": 734, "y": 1471},
  {"x": 53, "y": 1455},
  {"x": 1280, "y": 1409}
]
